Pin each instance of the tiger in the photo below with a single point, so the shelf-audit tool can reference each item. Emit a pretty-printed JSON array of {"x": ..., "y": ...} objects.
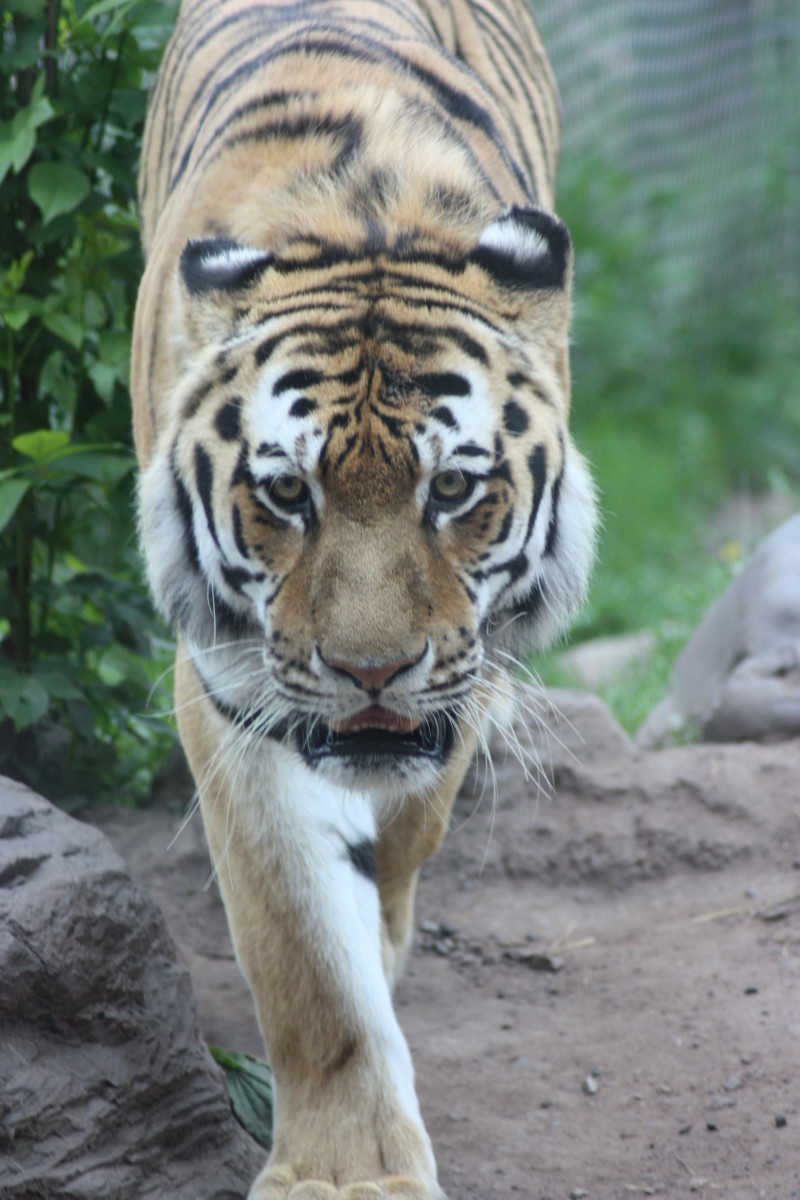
[{"x": 359, "y": 499}]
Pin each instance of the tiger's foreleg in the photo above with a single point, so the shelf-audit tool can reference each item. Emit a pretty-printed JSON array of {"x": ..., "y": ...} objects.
[
  {"x": 410, "y": 835},
  {"x": 294, "y": 861}
]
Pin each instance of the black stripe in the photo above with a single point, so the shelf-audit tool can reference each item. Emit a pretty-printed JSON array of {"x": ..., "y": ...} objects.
[
  {"x": 443, "y": 414},
  {"x": 237, "y": 577},
  {"x": 302, "y": 407},
  {"x": 186, "y": 514},
  {"x": 296, "y": 381},
  {"x": 441, "y": 383},
  {"x": 228, "y": 421},
  {"x": 552, "y": 528},
  {"x": 238, "y": 533},
  {"x": 362, "y": 856},
  {"x": 515, "y": 419},
  {"x": 204, "y": 474},
  {"x": 538, "y": 468},
  {"x": 348, "y": 129},
  {"x": 264, "y": 351}
]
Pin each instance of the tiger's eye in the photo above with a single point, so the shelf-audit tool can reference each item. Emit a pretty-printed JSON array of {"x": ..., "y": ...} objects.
[
  {"x": 449, "y": 486},
  {"x": 289, "y": 489}
]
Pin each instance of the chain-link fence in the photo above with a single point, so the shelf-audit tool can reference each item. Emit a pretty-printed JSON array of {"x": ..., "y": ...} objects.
[{"x": 696, "y": 101}]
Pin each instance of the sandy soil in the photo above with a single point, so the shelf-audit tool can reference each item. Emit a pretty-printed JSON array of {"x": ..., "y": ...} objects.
[{"x": 604, "y": 996}]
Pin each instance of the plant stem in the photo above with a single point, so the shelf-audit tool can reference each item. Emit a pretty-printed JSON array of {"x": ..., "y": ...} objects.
[
  {"x": 51, "y": 62},
  {"x": 12, "y": 378},
  {"x": 48, "y": 578}
]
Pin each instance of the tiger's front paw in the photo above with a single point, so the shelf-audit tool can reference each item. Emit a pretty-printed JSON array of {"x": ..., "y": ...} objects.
[{"x": 281, "y": 1183}]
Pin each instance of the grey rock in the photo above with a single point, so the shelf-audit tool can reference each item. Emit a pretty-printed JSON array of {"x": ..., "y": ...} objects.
[
  {"x": 738, "y": 677},
  {"x": 604, "y": 812},
  {"x": 106, "y": 1088},
  {"x": 554, "y": 734}
]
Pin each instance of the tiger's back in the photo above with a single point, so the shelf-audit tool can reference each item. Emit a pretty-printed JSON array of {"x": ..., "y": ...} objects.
[
  {"x": 359, "y": 493},
  {"x": 426, "y": 115}
]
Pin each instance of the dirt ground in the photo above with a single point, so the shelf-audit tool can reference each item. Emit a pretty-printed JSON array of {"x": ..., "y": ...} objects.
[{"x": 604, "y": 995}]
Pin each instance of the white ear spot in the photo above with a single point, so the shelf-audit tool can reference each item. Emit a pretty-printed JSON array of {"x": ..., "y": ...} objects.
[
  {"x": 221, "y": 264},
  {"x": 525, "y": 248},
  {"x": 513, "y": 240}
]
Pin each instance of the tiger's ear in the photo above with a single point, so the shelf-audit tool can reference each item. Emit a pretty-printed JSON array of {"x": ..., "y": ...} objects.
[
  {"x": 218, "y": 264},
  {"x": 526, "y": 249}
]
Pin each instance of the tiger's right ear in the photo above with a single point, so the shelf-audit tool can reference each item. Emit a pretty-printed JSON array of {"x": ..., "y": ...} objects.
[{"x": 219, "y": 264}]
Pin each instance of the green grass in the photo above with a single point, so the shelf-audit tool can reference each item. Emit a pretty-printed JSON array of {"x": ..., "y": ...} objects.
[{"x": 686, "y": 386}]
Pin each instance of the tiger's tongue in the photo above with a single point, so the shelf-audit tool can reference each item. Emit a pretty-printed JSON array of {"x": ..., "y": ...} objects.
[{"x": 376, "y": 717}]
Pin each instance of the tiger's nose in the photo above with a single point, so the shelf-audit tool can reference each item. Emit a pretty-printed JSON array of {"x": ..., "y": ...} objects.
[{"x": 374, "y": 676}]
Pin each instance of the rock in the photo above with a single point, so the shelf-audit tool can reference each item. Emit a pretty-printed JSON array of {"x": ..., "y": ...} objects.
[
  {"x": 556, "y": 733},
  {"x": 107, "y": 1088},
  {"x": 738, "y": 677},
  {"x": 603, "y": 661},
  {"x": 610, "y": 814}
]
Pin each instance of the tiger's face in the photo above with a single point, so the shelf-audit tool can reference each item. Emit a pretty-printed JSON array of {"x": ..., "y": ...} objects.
[{"x": 367, "y": 491}]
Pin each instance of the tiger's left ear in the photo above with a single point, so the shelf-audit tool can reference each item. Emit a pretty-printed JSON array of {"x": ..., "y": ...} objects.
[{"x": 526, "y": 249}]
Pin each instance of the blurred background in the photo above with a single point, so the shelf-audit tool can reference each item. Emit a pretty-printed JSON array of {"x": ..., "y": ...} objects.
[{"x": 680, "y": 182}]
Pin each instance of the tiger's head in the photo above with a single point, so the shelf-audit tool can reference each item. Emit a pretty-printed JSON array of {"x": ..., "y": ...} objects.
[{"x": 364, "y": 493}]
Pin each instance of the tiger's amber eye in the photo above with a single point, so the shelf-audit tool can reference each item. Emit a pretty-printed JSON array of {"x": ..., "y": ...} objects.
[
  {"x": 449, "y": 486},
  {"x": 288, "y": 488}
]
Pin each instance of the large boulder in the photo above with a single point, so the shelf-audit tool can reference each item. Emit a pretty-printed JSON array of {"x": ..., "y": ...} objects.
[
  {"x": 738, "y": 677},
  {"x": 106, "y": 1089}
]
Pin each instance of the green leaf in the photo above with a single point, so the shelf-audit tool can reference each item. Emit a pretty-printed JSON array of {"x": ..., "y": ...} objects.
[
  {"x": 250, "y": 1089},
  {"x": 20, "y": 310},
  {"x": 41, "y": 444},
  {"x": 57, "y": 188},
  {"x": 65, "y": 327},
  {"x": 104, "y": 6},
  {"x": 27, "y": 8},
  {"x": 18, "y": 136},
  {"x": 59, "y": 682},
  {"x": 23, "y": 698},
  {"x": 101, "y": 467},
  {"x": 11, "y": 493}
]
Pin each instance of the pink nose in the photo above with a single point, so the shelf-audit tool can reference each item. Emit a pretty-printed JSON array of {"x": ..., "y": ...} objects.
[{"x": 372, "y": 679}]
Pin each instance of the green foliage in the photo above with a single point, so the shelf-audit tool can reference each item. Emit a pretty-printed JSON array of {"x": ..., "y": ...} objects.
[
  {"x": 250, "y": 1090},
  {"x": 686, "y": 386},
  {"x": 77, "y": 641}
]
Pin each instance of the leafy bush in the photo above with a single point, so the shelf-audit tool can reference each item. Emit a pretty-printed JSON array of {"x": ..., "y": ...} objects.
[{"x": 77, "y": 636}]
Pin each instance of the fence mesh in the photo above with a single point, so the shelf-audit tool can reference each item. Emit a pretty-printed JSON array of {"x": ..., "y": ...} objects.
[{"x": 697, "y": 101}]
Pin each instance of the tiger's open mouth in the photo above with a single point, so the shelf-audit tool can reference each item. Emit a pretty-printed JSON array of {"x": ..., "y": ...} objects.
[{"x": 376, "y": 733}]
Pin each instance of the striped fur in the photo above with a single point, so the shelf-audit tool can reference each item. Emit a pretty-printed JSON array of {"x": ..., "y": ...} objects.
[{"x": 351, "y": 390}]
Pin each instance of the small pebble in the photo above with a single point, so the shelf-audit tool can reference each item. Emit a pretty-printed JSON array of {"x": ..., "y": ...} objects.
[
  {"x": 590, "y": 1085},
  {"x": 696, "y": 1185},
  {"x": 780, "y": 1120},
  {"x": 711, "y": 1127},
  {"x": 751, "y": 990},
  {"x": 578, "y": 1194}
]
